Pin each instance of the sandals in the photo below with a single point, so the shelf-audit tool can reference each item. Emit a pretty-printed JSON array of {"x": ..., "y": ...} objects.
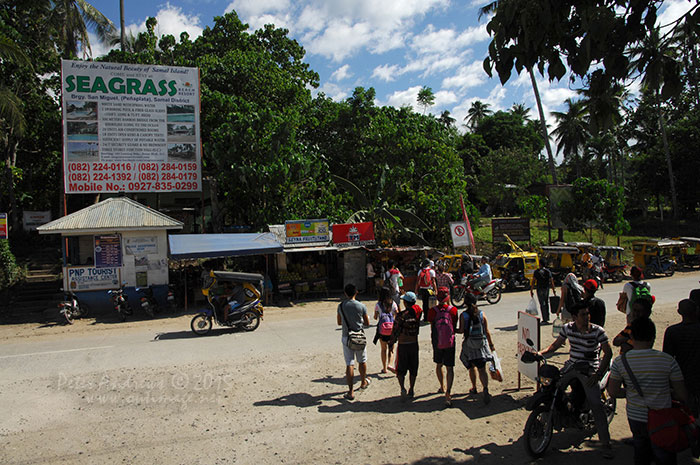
[
  {"x": 347, "y": 396},
  {"x": 368, "y": 381},
  {"x": 472, "y": 391}
]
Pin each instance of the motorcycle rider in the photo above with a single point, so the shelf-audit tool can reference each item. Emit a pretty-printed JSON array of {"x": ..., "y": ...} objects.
[
  {"x": 232, "y": 298},
  {"x": 483, "y": 276},
  {"x": 586, "y": 341}
]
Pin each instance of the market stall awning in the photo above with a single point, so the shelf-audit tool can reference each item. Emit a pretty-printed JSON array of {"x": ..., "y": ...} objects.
[{"x": 184, "y": 246}]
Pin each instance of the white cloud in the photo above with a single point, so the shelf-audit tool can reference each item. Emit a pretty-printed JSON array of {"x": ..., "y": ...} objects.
[
  {"x": 443, "y": 98},
  {"x": 403, "y": 98},
  {"x": 673, "y": 10},
  {"x": 496, "y": 96},
  {"x": 447, "y": 40},
  {"x": 171, "y": 20},
  {"x": 334, "y": 91},
  {"x": 467, "y": 76},
  {"x": 340, "y": 40},
  {"x": 341, "y": 73},
  {"x": 257, "y": 7},
  {"x": 386, "y": 73}
]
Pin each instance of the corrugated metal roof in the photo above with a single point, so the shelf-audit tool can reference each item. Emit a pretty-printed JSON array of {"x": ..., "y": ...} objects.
[{"x": 113, "y": 214}]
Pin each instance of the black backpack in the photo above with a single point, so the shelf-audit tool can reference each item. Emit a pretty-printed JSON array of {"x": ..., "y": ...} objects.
[{"x": 411, "y": 325}]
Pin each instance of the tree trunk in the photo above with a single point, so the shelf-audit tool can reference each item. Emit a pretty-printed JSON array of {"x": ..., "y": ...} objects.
[
  {"x": 543, "y": 123},
  {"x": 215, "y": 209},
  {"x": 122, "y": 36},
  {"x": 10, "y": 159},
  {"x": 667, "y": 153}
]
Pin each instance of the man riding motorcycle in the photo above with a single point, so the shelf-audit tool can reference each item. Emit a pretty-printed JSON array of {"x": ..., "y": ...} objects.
[
  {"x": 483, "y": 276},
  {"x": 586, "y": 341}
]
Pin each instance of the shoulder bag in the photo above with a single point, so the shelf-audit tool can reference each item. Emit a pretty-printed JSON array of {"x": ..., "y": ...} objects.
[
  {"x": 672, "y": 429},
  {"x": 356, "y": 339}
]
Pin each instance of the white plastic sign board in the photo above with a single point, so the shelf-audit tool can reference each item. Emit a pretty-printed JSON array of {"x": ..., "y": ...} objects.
[
  {"x": 528, "y": 328},
  {"x": 460, "y": 235},
  {"x": 130, "y": 128}
]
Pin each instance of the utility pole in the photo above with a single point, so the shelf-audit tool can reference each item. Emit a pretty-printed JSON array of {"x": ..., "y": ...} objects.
[{"x": 121, "y": 20}]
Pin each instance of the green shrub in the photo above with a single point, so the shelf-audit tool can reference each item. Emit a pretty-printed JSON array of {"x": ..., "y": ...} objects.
[{"x": 10, "y": 272}]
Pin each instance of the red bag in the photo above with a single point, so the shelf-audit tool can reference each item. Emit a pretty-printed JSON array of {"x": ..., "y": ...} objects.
[{"x": 672, "y": 429}]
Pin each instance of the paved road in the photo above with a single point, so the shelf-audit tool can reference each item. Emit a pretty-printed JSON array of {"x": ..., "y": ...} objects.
[{"x": 170, "y": 342}]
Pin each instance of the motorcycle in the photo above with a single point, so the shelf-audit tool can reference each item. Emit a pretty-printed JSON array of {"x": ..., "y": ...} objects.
[
  {"x": 555, "y": 406},
  {"x": 661, "y": 265},
  {"x": 120, "y": 303},
  {"x": 491, "y": 291},
  {"x": 614, "y": 273},
  {"x": 246, "y": 315},
  {"x": 149, "y": 304},
  {"x": 71, "y": 308},
  {"x": 170, "y": 299}
]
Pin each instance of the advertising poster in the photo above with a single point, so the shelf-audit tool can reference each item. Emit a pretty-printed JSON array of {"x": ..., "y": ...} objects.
[
  {"x": 353, "y": 234},
  {"x": 518, "y": 229},
  {"x": 31, "y": 220},
  {"x": 300, "y": 231},
  {"x": 3, "y": 225},
  {"x": 130, "y": 128},
  {"x": 88, "y": 278},
  {"x": 528, "y": 328},
  {"x": 108, "y": 251}
]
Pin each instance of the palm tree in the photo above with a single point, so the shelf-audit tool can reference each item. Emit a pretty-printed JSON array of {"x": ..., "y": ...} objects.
[
  {"x": 477, "y": 112},
  {"x": 425, "y": 98},
  {"x": 446, "y": 119},
  {"x": 572, "y": 132},
  {"x": 654, "y": 57},
  {"x": 10, "y": 104},
  {"x": 521, "y": 110},
  {"x": 75, "y": 18}
]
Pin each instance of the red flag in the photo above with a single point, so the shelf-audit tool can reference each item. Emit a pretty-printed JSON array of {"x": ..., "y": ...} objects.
[{"x": 469, "y": 226}]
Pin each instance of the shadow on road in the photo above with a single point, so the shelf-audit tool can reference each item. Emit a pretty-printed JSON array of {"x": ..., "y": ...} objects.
[{"x": 191, "y": 335}]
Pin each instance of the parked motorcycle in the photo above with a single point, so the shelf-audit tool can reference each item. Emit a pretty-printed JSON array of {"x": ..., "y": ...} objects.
[
  {"x": 661, "y": 265},
  {"x": 614, "y": 273},
  {"x": 170, "y": 299},
  {"x": 246, "y": 315},
  {"x": 555, "y": 407},
  {"x": 149, "y": 304},
  {"x": 491, "y": 291},
  {"x": 71, "y": 308},
  {"x": 120, "y": 303}
]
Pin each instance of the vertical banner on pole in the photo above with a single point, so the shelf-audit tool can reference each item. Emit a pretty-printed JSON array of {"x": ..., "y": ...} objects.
[{"x": 469, "y": 226}]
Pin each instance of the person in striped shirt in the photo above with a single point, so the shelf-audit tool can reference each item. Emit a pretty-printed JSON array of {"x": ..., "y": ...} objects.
[
  {"x": 586, "y": 341},
  {"x": 657, "y": 374}
]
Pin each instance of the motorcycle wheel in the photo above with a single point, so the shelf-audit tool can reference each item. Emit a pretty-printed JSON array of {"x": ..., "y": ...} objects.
[
  {"x": 494, "y": 295},
  {"x": 84, "y": 310},
  {"x": 457, "y": 295},
  {"x": 127, "y": 310},
  {"x": 68, "y": 315},
  {"x": 538, "y": 431},
  {"x": 617, "y": 276},
  {"x": 609, "y": 405},
  {"x": 201, "y": 324},
  {"x": 669, "y": 272},
  {"x": 250, "y": 321},
  {"x": 149, "y": 311}
]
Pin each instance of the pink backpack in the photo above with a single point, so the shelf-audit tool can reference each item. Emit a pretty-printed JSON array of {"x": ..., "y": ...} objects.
[
  {"x": 386, "y": 323},
  {"x": 444, "y": 327}
]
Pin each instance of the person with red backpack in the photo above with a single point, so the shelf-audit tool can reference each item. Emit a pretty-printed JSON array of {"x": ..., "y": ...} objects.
[
  {"x": 443, "y": 321},
  {"x": 425, "y": 284}
]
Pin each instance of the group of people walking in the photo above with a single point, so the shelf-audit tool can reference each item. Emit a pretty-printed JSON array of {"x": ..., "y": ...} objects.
[{"x": 397, "y": 331}]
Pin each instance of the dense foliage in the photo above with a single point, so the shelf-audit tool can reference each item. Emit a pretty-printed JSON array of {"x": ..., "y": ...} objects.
[{"x": 272, "y": 150}]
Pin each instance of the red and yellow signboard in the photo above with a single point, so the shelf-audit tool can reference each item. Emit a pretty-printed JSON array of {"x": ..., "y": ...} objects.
[{"x": 3, "y": 225}]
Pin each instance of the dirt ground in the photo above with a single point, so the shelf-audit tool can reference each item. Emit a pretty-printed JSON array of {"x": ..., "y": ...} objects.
[{"x": 279, "y": 410}]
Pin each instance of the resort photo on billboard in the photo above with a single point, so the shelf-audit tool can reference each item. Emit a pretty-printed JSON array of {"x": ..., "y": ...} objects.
[
  {"x": 181, "y": 132},
  {"x": 180, "y": 113},
  {"x": 83, "y": 151},
  {"x": 81, "y": 110},
  {"x": 181, "y": 152},
  {"x": 82, "y": 130}
]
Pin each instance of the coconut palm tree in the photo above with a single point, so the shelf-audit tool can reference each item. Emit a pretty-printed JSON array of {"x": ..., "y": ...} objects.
[
  {"x": 10, "y": 104},
  {"x": 446, "y": 119},
  {"x": 572, "y": 132},
  {"x": 75, "y": 18},
  {"x": 425, "y": 98},
  {"x": 521, "y": 110},
  {"x": 477, "y": 112}
]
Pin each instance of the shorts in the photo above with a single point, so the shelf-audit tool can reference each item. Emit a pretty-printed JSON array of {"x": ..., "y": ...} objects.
[
  {"x": 352, "y": 355},
  {"x": 407, "y": 359},
  {"x": 444, "y": 356},
  {"x": 384, "y": 338},
  {"x": 476, "y": 363}
]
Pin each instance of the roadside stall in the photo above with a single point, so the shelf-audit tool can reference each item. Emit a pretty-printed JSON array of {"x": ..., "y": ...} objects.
[
  {"x": 113, "y": 243},
  {"x": 407, "y": 259}
]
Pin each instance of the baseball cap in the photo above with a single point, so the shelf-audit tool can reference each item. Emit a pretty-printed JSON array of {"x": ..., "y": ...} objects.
[
  {"x": 443, "y": 294},
  {"x": 591, "y": 285},
  {"x": 409, "y": 297}
]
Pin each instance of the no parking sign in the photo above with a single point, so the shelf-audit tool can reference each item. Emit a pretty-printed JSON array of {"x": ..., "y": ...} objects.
[{"x": 460, "y": 236}]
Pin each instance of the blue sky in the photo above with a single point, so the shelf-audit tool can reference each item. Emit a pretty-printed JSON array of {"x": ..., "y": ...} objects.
[{"x": 395, "y": 46}]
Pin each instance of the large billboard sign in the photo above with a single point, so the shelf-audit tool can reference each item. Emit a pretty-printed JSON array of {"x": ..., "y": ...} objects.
[
  {"x": 353, "y": 234},
  {"x": 130, "y": 128},
  {"x": 302, "y": 231},
  {"x": 518, "y": 229}
]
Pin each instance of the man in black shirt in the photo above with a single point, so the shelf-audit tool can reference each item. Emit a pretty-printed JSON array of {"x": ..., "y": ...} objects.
[
  {"x": 595, "y": 306},
  {"x": 682, "y": 341},
  {"x": 542, "y": 280}
]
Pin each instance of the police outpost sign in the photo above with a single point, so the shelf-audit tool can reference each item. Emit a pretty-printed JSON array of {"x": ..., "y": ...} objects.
[{"x": 130, "y": 128}]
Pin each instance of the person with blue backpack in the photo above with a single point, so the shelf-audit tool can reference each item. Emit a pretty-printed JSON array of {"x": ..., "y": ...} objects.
[
  {"x": 477, "y": 346},
  {"x": 384, "y": 312},
  {"x": 443, "y": 320}
]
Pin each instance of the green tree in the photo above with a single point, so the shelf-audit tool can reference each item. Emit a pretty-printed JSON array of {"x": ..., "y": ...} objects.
[
  {"x": 74, "y": 19},
  {"x": 572, "y": 132},
  {"x": 596, "y": 203},
  {"x": 446, "y": 119},
  {"x": 477, "y": 112},
  {"x": 425, "y": 98},
  {"x": 521, "y": 110}
]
